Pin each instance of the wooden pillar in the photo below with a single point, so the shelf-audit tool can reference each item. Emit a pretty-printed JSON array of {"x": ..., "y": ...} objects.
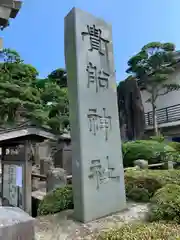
[
  {"x": 27, "y": 179},
  {"x": 36, "y": 154},
  {"x": 3, "y": 151}
]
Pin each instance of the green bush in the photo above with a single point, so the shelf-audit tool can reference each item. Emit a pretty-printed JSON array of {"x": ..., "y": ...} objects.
[
  {"x": 165, "y": 204},
  {"x": 141, "y": 189},
  {"x": 159, "y": 138},
  {"x": 56, "y": 201},
  {"x": 150, "y": 150},
  {"x": 141, "y": 185},
  {"x": 152, "y": 231},
  {"x": 175, "y": 145}
]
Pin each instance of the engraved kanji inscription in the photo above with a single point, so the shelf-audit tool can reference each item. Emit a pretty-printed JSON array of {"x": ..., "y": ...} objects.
[
  {"x": 102, "y": 174},
  {"x": 99, "y": 122},
  {"x": 96, "y": 40},
  {"x": 96, "y": 171},
  {"x": 111, "y": 170},
  {"x": 93, "y": 121},
  {"x": 105, "y": 123},
  {"x": 99, "y": 78}
]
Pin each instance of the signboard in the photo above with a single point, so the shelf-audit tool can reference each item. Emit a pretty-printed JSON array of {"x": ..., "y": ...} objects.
[
  {"x": 12, "y": 184},
  {"x": 19, "y": 176}
]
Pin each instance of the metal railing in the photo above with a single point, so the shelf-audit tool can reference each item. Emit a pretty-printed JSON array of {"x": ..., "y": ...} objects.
[{"x": 164, "y": 115}]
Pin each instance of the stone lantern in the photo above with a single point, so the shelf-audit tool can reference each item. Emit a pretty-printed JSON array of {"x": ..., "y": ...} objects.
[{"x": 8, "y": 9}]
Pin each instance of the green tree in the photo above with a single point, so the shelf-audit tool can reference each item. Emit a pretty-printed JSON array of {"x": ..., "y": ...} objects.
[
  {"x": 19, "y": 97},
  {"x": 24, "y": 97},
  {"x": 151, "y": 67},
  {"x": 59, "y": 76},
  {"x": 55, "y": 99}
]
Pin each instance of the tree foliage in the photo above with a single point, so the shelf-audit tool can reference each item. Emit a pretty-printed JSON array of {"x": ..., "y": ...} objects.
[
  {"x": 151, "y": 67},
  {"x": 23, "y": 97},
  {"x": 59, "y": 76},
  {"x": 18, "y": 97},
  {"x": 55, "y": 99}
]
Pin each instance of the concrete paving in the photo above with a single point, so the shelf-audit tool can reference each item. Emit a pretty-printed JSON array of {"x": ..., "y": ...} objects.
[{"x": 61, "y": 226}]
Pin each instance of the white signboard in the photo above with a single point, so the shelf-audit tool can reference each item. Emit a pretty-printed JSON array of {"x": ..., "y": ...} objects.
[{"x": 19, "y": 175}]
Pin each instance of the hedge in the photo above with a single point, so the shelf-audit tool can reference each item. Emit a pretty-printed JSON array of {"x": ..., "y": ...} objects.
[
  {"x": 151, "y": 231},
  {"x": 56, "y": 201},
  {"x": 165, "y": 204},
  {"x": 141, "y": 185},
  {"x": 150, "y": 150}
]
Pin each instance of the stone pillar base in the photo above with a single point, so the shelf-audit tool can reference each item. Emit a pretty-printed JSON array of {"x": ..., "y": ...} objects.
[
  {"x": 16, "y": 224},
  {"x": 56, "y": 178}
]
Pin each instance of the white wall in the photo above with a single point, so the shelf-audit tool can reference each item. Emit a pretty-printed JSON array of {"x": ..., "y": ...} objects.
[{"x": 167, "y": 100}]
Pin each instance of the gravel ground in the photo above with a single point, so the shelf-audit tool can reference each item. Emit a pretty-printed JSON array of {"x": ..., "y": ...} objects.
[{"x": 62, "y": 227}]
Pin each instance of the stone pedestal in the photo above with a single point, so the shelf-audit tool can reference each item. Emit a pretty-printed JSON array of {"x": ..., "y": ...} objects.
[
  {"x": 35, "y": 181},
  {"x": 170, "y": 165},
  {"x": 142, "y": 164},
  {"x": 56, "y": 178},
  {"x": 44, "y": 166},
  {"x": 4, "y": 15},
  {"x": 63, "y": 158},
  {"x": 15, "y": 224}
]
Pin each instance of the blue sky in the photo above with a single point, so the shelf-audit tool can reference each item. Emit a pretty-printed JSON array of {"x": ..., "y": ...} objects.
[{"x": 38, "y": 31}]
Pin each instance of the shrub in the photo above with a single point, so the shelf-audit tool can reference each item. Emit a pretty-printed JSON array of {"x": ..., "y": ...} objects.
[
  {"x": 140, "y": 188},
  {"x": 165, "y": 204},
  {"x": 175, "y": 145},
  {"x": 56, "y": 201},
  {"x": 159, "y": 138},
  {"x": 152, "y": 231},
  {"x": 150, "y": 150},
  {"x": 141, "y": 185}
]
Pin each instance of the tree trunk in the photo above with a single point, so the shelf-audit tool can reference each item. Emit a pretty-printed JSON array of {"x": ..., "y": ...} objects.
[{"x": 155, "y": 124}]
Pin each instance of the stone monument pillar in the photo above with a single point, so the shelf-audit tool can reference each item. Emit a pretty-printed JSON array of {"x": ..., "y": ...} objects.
[{"x": 97, "y": 169}]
